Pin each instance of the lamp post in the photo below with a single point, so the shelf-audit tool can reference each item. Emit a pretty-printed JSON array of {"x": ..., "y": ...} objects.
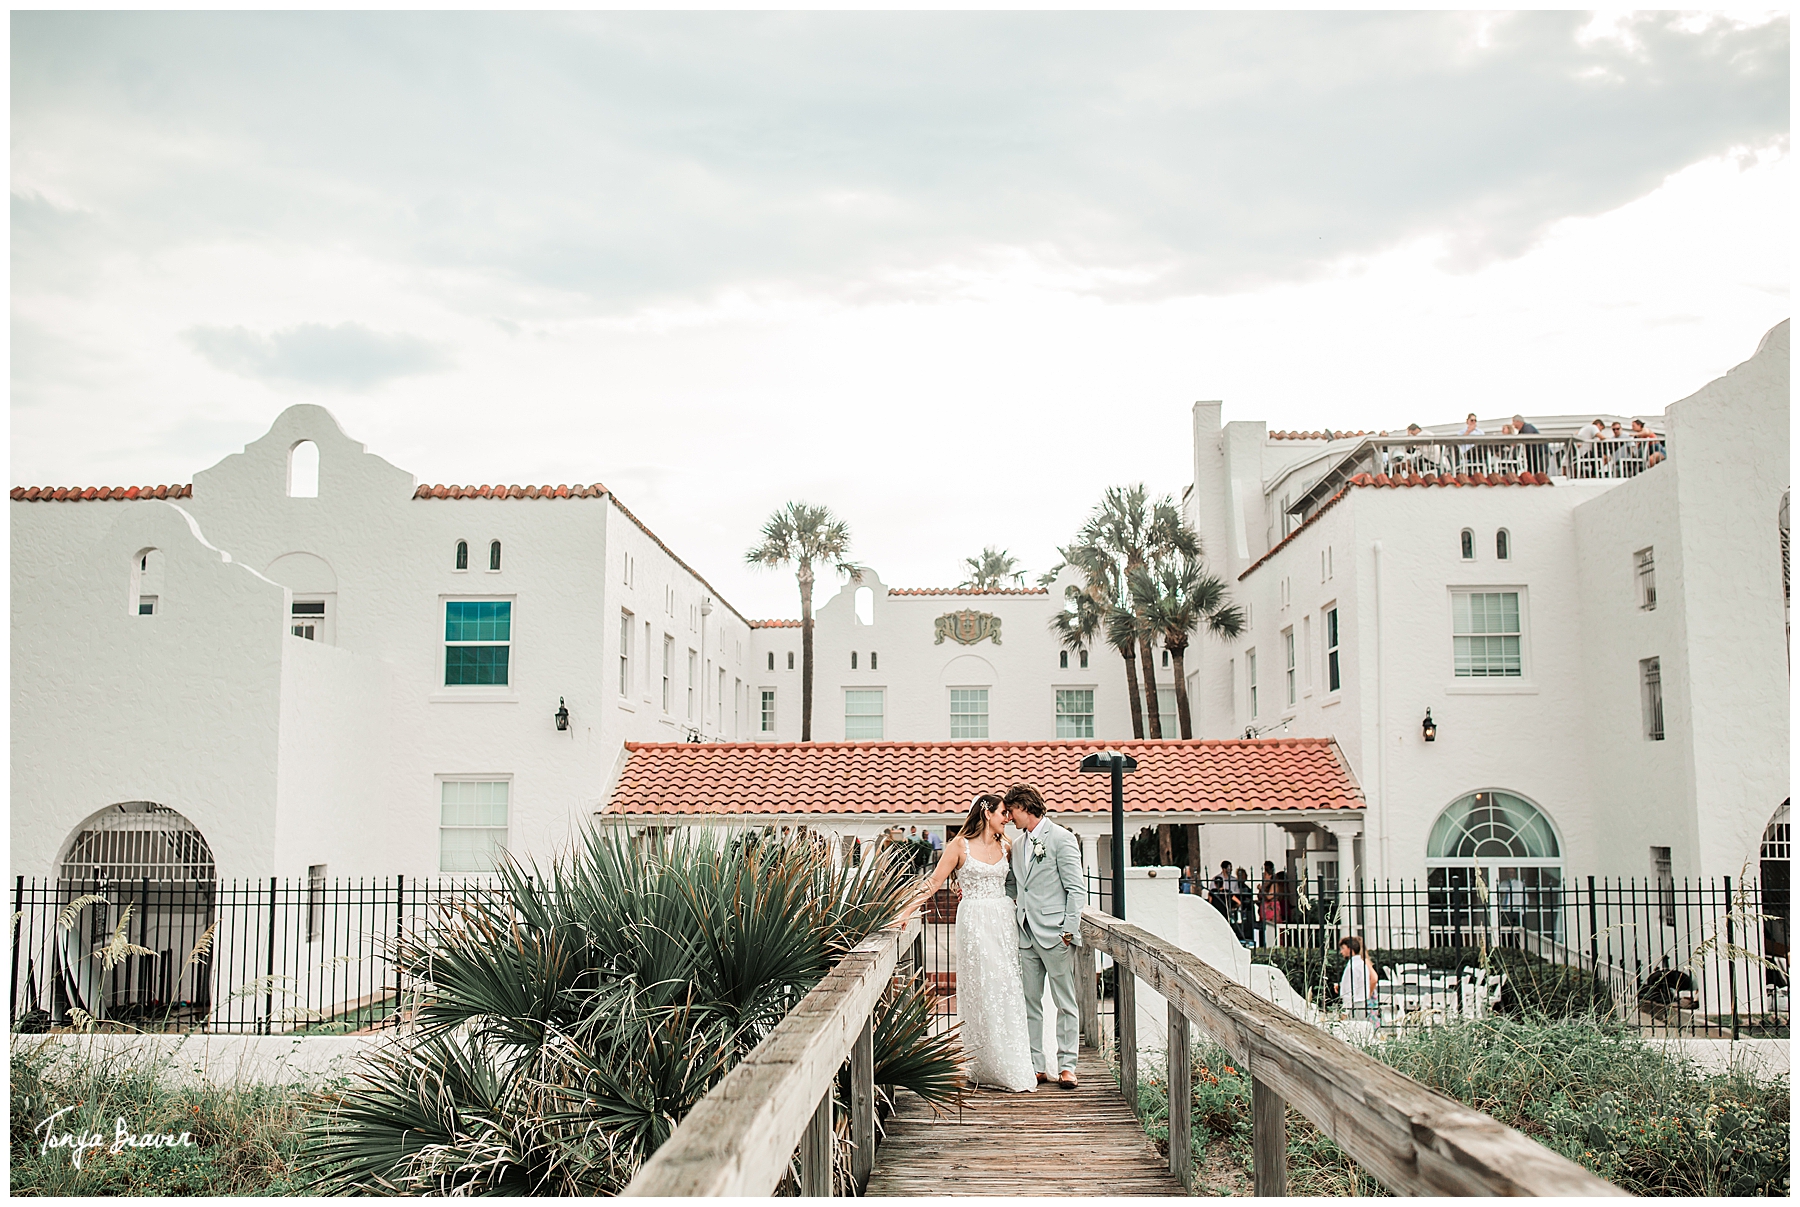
[{"x": 1118, "y": 766}]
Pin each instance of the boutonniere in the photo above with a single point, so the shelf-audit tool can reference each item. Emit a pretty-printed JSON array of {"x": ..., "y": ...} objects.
[{"x": 1037, "y": 849}]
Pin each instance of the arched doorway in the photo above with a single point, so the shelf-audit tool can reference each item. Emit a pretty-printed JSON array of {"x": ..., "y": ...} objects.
[
  {"x": 1774, "y": 859},
  {"x": 1494, "y": 871},
  {"x": 139, "y": 873}
]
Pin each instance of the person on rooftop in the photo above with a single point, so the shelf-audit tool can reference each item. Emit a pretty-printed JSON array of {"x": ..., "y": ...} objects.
[{"x": 1536, "y": 455}]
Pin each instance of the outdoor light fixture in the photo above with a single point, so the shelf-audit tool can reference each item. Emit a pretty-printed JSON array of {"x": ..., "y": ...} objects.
[
  {"x": 1429, "y": 727},
  {"x": 562, "y": 714},
  {"x": 1111, "y": 762}
]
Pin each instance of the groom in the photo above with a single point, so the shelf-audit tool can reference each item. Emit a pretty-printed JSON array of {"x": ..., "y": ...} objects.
[{"x": 1048, "y": 891}]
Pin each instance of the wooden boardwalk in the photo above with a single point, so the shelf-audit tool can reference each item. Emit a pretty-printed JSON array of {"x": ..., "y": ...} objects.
[{"x": 1052, "y": 1142}]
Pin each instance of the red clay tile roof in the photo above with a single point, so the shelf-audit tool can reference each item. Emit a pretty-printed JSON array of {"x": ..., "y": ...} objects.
[
  {"x": 77, "y": 494},
  {"x": 1525, "y": 479},
  {"x": 739, "y": 778},
  {"x": 774, "y": 624},
  {"x": 968, "y": 590},
  {"x": 1326, "y": 435},
  {"x": 441, "y": 491}
]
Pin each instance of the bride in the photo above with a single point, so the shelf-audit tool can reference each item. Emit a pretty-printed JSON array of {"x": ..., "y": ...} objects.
[{"x": 990, "y": 1000}]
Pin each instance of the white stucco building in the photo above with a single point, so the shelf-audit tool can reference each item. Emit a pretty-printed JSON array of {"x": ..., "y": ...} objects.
[{"x": 1600, "y": 642}]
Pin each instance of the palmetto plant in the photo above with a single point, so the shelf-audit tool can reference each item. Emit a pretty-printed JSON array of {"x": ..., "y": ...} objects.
[
  {"x": 1176, "y": 596},
  {"x": 804, "y": 535},
  {"x": 567, "y": 1024},
  {"x": 991, "y": 570}
]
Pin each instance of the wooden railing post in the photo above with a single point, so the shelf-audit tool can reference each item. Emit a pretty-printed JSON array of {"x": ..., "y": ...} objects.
[
  {"x": 1087, "y": 995},
  {"x": 1181, "y": 1100},
  {"x": 1268, "y": 1139},
  {"x": 1127, "y": 1040},
  {"x": 862, "y": 1105},
  {"x": 815, "y": 1152}
]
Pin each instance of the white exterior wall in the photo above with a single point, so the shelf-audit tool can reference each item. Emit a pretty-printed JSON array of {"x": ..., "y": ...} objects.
[
  {"x": 287, "y": 755},
  {"x": 1568, "y": 734}
]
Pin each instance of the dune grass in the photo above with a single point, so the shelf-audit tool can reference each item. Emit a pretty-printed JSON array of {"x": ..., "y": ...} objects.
[{"x": 1645, "y": 1121}]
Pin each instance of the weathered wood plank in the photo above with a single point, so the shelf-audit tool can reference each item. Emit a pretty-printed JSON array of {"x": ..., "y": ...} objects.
[
  {"x": 862, "y": 1104},
  {"x": 739, "y": 1138},
  {"x": 1126, "y": 989},
  {"x": 1087, "y": 996},
  {"x": 1411, "y": 1138},
  {"x": 1050, "y": 1142},
  {"x": 1268, "y": 1140},
  {"x": 815, "y": 1152},
  {"x": 1181, "y": 1097}
]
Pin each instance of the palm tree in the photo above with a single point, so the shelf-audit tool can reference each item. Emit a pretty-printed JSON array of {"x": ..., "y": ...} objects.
[
  {"x": 803, "y": 534},
  {"x": 1091, "y": 610},
  {"x": 1132, "y": 532},
  {"x": 1177, "y": 596},
  {"x": 988, "y": 571}
]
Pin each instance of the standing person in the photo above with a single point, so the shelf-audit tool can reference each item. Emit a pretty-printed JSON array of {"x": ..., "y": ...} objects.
[
  {"x": 937, "y": 840},
  {"x": 1221, "y": 889},
  {"x": 1536, "y": 455},
  {"x": 1243, "y": 904},
  {"x": 1357, "y": 987},
  {"x": 1187, "y": 880},
  {"x": 1265, "y": 904},
  {"x": 990, "y": 997},
  {"x": 1047, "y": 887}
]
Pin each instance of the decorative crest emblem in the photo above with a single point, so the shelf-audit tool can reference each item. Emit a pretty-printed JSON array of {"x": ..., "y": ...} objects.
[{"x": 967, "y": 628}]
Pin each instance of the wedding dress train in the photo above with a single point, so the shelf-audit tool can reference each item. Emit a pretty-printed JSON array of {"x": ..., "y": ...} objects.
[{"x": 990, "y": 998}]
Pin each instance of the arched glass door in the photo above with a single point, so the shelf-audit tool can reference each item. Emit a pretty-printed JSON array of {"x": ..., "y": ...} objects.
[{"x": 1494, "y": 871}]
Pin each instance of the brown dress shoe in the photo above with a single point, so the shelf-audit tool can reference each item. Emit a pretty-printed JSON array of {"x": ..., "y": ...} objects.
[
  {"x": 1043, "y": 1077},
  {"x": 1068, "y": 1080}
]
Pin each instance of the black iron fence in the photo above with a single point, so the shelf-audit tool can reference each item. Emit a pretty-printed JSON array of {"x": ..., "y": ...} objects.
[
  {"x": 1704, "y": 958},
  {"x": 262, "y": 956}
]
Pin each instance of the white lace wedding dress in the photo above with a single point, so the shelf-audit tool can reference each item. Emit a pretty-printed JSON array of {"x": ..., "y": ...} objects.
[{"x": 990, "y": 999}]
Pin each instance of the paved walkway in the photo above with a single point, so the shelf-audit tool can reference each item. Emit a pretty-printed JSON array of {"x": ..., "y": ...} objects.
[{"x": 1051, "y": 1142}]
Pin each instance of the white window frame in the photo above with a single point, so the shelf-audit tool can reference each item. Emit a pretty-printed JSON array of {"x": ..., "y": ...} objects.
[
  {"x": 1061, "y": 715},
  {"x": 693, "y": 680},
  {"x": 627, "y": 626},
  {"x": 1656, "y": 723},
  {"x": 504, "y": 693},
  {"x": 668, "y": 672},
  {"x": 767, "y": 714},
  {"x": 1643, "y": 565},
  {"x": 1250, "y": 679},
  {"x": 1290, "y": 673},
  {"x": 986, "y": 698},
  {"x": 505, "y": 830},
  {"x": 880, "y": 696},
  {"x": 1332, "y": 648},
  {"x": 1169, "y": 722},
  {"x": 1482, "y": 684}
]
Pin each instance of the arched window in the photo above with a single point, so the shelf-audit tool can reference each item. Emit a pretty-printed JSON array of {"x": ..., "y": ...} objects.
[
  {"x": 462, "y": 555},
  {"x": 1468, "y": 544},
  {"x": 494, "y": 556},
  {"x": 1494, "y": 869},
  {"x": 1503, "y": 545},
  {"x": 303, "y": 471},
  {"x": 145, "y": 598}
]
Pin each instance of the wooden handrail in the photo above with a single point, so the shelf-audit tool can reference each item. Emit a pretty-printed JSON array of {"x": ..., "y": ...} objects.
[
  {"x": 1413, "y": 1139},
  {"x": 739, "y": 1139}
]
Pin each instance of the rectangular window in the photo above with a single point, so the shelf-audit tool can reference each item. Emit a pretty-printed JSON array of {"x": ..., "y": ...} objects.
[
  {"x": 1646, "y": 578},
  {"x": 719, "y": 700},
  {"x": 1307, "y": 648},
  {"x": 1662, "y": 870},
  {"x": 737, "y": 707},
  {"x": 1074, "y": 712},
  {"x": 473, "y": 825},
  {"x": 968, "y": 713},
  {"x": 1287, "y": 644},
  {"x": 768, "y": 710},
  {"x": 1250, "y": 673},
  {"x": 1650, "y": 677},
  {"x": 1168, "y": 714},
  {"x": 477, "y": 642},
  {"x": 1487, "y": 634},
  {"x": 146, "y": 605},
  {"x": 863, "y": 715},
  {"x": 668, "y": 670},
  {"x": 1333, "y": 679},
  {"x": 315, "y": 902},
  {"x": 308, "y": 616},
  {"x": 625, "y": 653},
  {"x": 693, "y": 681}
]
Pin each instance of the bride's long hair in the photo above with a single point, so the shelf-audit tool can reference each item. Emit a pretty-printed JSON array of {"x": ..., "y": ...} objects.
[{"x": 979, "y": 809}]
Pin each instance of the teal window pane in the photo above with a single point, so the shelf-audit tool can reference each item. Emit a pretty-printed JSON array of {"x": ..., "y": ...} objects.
[
  {"x": 478, "y": 620},
  {"x": 484, "y": 665}
]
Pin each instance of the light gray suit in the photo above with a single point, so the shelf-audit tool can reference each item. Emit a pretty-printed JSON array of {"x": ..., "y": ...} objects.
[{"x": 1048, "y": 891}]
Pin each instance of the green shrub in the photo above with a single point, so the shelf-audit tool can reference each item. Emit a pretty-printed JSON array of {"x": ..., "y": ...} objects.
[
  {"x": 247, "y": 1139},
  {"x": 1553, "y": 991}
]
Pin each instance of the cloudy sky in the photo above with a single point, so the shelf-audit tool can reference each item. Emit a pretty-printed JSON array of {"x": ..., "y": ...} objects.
[{"x": 950, "y": 274}]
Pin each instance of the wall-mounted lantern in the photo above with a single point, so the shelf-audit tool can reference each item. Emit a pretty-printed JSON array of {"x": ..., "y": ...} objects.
[
  {"x": 1429, "y": 728},
  {"x": 562, "y": 714}
]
